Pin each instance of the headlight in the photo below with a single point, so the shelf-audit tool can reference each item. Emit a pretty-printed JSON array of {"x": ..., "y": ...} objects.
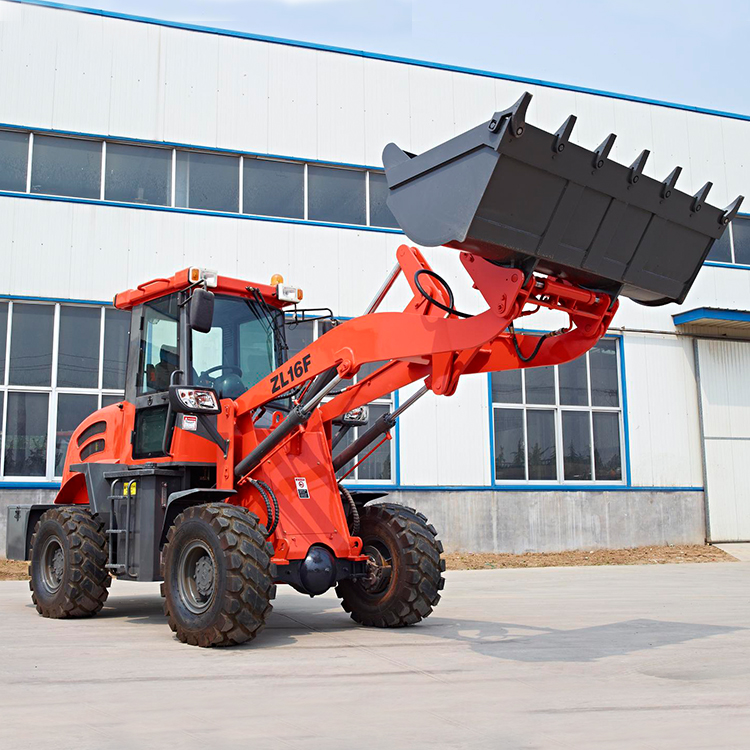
[
  {"x": 358, "y": 416},
  {"x": 198, "y": 399}
]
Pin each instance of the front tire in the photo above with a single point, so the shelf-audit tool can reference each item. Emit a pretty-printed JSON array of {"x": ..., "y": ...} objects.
[
  {"x": 404, "y": 570},
  {"x": 68, "y": 558},
  {"x": 218, "y": 576}
]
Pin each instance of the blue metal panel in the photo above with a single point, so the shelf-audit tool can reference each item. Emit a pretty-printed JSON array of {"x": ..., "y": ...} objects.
[
  {"x": 29, "y": 485},
  {"x": 626, "y": 422},
  {"x": 707, "y": 313},
  {"x": 524, "y": 488},
  {"x": 728, "y": 265},
  {"x": 376, "y": 56},
  {"x": 397, "y": 430},
  {"x": 493, "y": 481}
]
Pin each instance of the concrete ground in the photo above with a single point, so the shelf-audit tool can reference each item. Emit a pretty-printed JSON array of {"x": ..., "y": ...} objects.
[
  {"x": 612, "y": 657},
  {"x": 740, "y": 550}
]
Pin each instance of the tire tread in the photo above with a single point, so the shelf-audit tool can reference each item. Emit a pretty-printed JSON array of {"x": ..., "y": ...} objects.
[
  {"x": 423, "y": 570},
  {"x": 247, "y": 599},
  {"x": 88, "y": 580}
]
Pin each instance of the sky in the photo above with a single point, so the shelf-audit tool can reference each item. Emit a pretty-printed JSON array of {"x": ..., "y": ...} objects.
[{"x": 684, "y": 51}]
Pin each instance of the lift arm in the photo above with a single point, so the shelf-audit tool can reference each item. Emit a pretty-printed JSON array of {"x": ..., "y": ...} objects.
[{"x": 425, "y": 343}]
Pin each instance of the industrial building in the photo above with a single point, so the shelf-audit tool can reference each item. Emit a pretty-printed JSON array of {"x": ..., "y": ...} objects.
[{"x": 131, "y": 148}]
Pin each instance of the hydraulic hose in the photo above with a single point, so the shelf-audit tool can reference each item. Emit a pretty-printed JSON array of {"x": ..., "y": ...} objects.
[
  {"x": 354, "y": 513},
  {"x": 447, "y": 308},
  {"x": 261, "y": 486},
  {"x": 272, "y": 518}
]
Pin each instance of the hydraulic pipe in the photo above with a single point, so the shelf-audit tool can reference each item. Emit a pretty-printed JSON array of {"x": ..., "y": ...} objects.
[
  {"x": 381, "y": 426},
  {"x": 387, "y": 284}
]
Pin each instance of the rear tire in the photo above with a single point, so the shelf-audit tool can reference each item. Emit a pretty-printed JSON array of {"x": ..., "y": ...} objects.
[
  {"x": 68, "y": 555},
  {"x": 218, "y": 576},
  {"x": 404, "y": 570}
]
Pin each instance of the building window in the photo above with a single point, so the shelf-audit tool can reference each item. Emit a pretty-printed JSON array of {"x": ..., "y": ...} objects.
[
  {"x": 380, "y": 214},
  {"x": 31, "y": 344},
  {"x": 379, "y": 466},
  {"x": 58, "y": 364},
  {"x": 336, "y": 195},
  {"x": 734, "y": 245},
  {"x": 138, "y": 174},
  {"x": 741, "y": 240},
  {"x": 66, "y": 166},
  {"x": 210, "y": 182},
  {"x": 273, "y": 188},
  {"x": 14, "y": 160},
  {"x": 197, "y": 180},
  {"x": 560, "y": 424}
]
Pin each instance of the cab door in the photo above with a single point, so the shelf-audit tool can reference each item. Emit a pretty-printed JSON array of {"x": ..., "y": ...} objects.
[{"x": 155, "y": 356}]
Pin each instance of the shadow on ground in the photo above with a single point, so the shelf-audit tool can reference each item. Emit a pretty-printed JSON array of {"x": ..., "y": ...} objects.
[{"x": 501, "y": 640}]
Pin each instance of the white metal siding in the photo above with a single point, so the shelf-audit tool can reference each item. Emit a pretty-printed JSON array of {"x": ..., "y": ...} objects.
[
  {"x": 665, "y": 446},
  {"x": 725, "y": 403},
  {"x": 78, "y": 72},
  {"x": 445, "y": 441},
  {"x": 73, "y": 71}
]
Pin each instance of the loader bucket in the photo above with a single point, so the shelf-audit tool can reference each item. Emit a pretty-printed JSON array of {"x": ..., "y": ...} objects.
[{"x": 521, "y": 196}]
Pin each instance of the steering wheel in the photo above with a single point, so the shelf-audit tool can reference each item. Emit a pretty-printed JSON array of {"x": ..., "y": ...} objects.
[{"x": 205, "y": 375}]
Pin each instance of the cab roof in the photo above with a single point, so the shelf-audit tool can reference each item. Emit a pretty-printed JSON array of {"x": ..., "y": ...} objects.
[{"x": 161, "y": 287}]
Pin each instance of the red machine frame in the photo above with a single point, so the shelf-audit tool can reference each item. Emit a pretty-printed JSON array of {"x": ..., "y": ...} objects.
[{"x": 421, "y": 343}]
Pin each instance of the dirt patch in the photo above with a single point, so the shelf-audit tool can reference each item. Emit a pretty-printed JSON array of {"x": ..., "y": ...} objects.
[
  {"x": 694, "y": 553},
  {"x": 14, "y": 570}
]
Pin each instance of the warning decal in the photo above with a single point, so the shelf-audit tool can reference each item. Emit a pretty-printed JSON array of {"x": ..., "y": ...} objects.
[
  {"x": 189, "y": 422},
  {"x": 302, "y": 491}
]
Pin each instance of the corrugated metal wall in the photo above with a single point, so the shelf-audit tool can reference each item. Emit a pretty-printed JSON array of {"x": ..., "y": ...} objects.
[
  {"x": 725, "y": 404},
  {"x": 103, "y": 75},
  {"x": 98, "y": 75}
]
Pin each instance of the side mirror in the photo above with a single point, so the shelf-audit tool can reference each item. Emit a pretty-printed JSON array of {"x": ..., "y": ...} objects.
[{"x": 201, "y": 310}]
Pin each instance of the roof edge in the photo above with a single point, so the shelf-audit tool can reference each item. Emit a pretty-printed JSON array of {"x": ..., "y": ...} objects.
[
  {"x": 384, "y": 57},
  {"x": 719, "y": 315}
]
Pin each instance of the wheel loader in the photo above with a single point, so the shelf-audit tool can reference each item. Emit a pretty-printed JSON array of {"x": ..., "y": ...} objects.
[{"x": 220, "y": 473}]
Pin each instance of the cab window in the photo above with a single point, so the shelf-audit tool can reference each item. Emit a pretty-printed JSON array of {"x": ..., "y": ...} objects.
[
  {"x": 159, "y": 355},
  {"x": 238, "y": 351}
]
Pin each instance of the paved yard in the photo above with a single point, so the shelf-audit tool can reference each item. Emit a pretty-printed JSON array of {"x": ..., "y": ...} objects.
[{"x": 614, "y": 657}]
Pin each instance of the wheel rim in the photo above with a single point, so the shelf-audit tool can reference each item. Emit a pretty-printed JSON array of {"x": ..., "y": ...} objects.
[
  {"x": 196, "y": 577},
  {"x": 379, "y": 567},
  {"x": 53, "y": 564}
]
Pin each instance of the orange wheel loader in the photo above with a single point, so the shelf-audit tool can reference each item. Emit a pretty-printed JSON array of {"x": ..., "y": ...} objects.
[{"x": 220, "y": 472}]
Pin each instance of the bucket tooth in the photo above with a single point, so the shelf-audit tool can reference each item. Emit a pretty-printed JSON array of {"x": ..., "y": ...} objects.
[
  {"x": 731, "y": 210},
  {"x": 517, "y": 114},
  {"x": 601, "y": 154},
  {"x": 668, "y": 185},
  {"x": 637, "y": 166},
  {"x": 700, "y": 197},
  {"x": 562, "y": 136}
]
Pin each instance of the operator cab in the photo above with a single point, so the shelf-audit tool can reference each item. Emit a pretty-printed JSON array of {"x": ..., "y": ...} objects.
[
  {"x": 234, "y": 346},
  {"x": 239, "y": 350}
]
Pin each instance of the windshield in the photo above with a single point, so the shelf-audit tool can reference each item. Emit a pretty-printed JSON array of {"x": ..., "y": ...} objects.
[{"x": 238, "y": 351}]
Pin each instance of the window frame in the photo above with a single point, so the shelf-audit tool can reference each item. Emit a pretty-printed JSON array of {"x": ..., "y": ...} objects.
[
  {"x": 171, "y": 202},
  {"x": 106, "y": 141},
  {"x": 558, "y": 408},
  {"x": 52, "y": 391},
  {"x": 732, "y": 262}
]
